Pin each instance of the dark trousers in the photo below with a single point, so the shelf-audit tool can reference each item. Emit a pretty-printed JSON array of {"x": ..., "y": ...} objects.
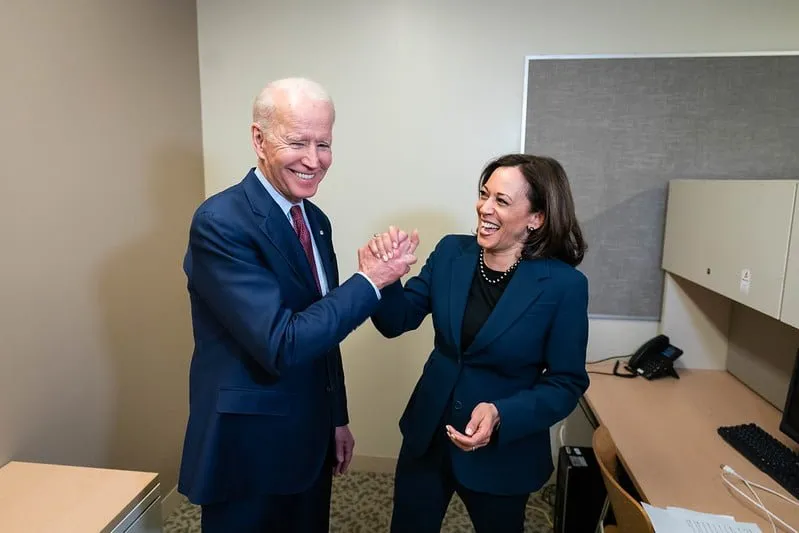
[
  {"x": 306, "y": 512},
  {"x": 423, "y": 488}
]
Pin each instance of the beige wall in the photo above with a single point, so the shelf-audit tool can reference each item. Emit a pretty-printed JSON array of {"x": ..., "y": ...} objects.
[
  {"x": 426, "y": 92},
  {"x": 100, "y": 172}
]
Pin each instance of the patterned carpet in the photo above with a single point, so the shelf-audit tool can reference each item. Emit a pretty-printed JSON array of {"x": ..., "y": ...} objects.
[{"x": 361, "y": 503}]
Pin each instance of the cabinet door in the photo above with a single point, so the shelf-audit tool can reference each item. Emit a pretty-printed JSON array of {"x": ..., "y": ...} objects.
[
  {"x": 790, "y": 298},
  {"x": 731, "y": 236}
]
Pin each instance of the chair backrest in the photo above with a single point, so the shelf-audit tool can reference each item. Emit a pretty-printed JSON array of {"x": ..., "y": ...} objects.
[{"x": 630, "y": 516}]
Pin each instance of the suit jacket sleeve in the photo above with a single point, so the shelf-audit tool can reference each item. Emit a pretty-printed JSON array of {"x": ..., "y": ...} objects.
[
  {"x": 244, "y": 294},
  {"x": 404, "y": 309},
  {"x": 559, "y": 389}
]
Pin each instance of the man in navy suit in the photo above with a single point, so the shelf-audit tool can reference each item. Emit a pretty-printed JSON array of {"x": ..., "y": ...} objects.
[{"x": 268, "y": 422}]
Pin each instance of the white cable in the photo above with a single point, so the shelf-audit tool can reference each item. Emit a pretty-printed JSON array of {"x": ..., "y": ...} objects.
[
  {"x": 771, "y": 516},
  {"x": 768, "y": 513},
  {"x": 729, "y": 470},
  {"x": 774, "y": 492},
  {"x": 762, "y": 505}
]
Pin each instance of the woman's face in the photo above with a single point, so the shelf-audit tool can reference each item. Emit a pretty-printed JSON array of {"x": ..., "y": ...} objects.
[{"x": 503, "y": 211}]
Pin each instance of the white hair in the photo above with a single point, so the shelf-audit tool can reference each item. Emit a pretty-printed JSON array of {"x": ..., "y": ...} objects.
[{"x": 263, "y": 109}]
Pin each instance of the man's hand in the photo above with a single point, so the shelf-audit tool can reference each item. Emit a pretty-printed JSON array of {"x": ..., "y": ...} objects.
[
  {"x": 485, "y": 419},
  {"x": 386, "y": 268},
  {"x": 345, "y": 444}
]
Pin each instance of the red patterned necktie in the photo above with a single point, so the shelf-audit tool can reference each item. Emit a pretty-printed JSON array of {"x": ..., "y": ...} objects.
[{"x": 305, "y": 239}]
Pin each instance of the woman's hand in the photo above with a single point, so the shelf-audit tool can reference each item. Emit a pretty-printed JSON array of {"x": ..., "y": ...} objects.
[
  {"x": 485, "y": 419},
  {"x": 383, "y": 269},
  {"x": 385, "y": 245}
]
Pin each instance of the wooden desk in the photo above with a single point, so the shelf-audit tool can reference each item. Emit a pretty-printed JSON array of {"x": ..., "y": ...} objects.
[
  {"x": 43, "y": 498},
  {"x": 665, "y": 433}
]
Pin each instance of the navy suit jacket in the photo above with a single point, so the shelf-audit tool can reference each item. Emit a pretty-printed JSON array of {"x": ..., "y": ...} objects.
[
  {"x": 528, "y": 359},
  {"x": 266, "y": 384}
]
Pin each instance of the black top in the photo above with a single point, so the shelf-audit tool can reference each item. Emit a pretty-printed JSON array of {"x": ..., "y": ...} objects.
[{"x": 483, "y": 297}]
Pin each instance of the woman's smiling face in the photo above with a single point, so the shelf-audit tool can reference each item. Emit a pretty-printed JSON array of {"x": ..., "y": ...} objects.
[{"x": 504, "y": 211}]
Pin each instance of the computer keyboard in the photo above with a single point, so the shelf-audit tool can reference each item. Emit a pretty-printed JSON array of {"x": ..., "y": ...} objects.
[{"x": 766, "y": 453}]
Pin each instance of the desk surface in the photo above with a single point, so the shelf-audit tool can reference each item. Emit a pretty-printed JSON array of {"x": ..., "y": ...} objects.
[
  {"x": 43, "y": 497},
  {"x": 665, "y": 434}
]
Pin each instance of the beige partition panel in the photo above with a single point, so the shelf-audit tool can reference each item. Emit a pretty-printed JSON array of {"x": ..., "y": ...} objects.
[
  {"x": 761, "y": 353},
  {"x": 732, "y": 237},
  {"x": 790, "y": 298}
]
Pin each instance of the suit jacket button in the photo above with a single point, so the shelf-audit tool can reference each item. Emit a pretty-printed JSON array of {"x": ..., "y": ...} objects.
[{"x": 458, "y": 404}]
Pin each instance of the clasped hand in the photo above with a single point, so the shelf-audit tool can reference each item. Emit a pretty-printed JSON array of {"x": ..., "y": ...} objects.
[{"x": 388, "y": 256}]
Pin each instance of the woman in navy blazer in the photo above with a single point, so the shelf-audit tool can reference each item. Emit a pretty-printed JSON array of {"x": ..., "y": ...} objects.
[{"x": 510, "y": 316}]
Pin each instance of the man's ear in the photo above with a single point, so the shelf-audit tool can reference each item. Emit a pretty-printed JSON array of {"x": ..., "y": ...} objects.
[{"x": 257, "y": 140}]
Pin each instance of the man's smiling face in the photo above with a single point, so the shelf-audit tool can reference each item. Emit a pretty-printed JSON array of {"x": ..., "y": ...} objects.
[{"x": 296, "y": 151}]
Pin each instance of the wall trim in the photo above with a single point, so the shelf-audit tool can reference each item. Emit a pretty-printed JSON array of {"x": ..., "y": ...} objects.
[{"x": 371, "y": 463}]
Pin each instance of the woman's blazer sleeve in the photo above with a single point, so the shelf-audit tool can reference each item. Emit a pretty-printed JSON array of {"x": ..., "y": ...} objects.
[{"x": 403, "y": 309}]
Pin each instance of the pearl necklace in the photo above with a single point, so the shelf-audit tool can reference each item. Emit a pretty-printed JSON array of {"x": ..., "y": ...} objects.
[{"x": 504, "y": 274}]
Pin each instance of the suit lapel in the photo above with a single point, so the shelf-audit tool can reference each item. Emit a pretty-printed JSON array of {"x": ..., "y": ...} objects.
[
  {"x": 463, "y": 268},
  {"x": 523, "y": 289},
  {"x": 278, "y": 230}
]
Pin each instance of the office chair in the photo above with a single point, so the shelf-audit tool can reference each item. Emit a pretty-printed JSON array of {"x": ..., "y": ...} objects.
[{"x": 630, "y": 515}]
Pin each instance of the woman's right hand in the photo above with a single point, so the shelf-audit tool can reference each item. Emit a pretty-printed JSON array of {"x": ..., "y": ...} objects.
[
  {"x": 384, "y": 272},
  {"x": 385, "y": 245}
]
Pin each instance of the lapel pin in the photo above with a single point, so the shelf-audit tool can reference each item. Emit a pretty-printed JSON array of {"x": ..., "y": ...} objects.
[{"x": 321, "y": 232}]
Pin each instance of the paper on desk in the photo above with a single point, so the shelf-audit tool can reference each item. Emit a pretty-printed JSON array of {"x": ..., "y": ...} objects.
[
  {"x": 720, "y": 526},
  {"x": 696, "y": 514},
  {"x": 687, "y": 521}
]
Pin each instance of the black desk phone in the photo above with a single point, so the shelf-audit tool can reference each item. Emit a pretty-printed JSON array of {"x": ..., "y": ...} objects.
[{"x": 654, "y": 359}]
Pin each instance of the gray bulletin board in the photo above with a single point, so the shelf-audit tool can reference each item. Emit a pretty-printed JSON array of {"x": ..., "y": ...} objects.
[{"x": 624, "y": 126}]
